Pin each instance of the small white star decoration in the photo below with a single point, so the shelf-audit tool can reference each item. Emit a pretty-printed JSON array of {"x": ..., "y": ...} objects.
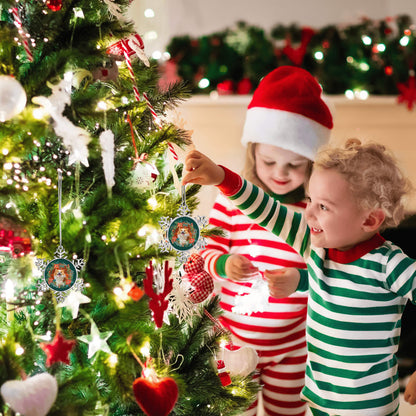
[{"x": 97, "y": 341}]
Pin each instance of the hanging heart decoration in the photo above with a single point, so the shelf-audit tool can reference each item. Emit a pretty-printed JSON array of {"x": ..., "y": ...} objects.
[
  {"x": 156, "y": 396},
  {"x": 31, "y": 397},
  {"x": 240, "y": 361}
]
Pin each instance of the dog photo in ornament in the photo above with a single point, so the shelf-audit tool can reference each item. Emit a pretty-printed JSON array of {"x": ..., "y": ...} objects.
[
  {"x": 60, "y": 275},
  {"x": 183, "y": 233}
]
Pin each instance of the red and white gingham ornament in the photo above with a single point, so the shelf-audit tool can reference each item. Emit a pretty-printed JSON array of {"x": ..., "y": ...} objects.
[{"x": 201, "y": 281}]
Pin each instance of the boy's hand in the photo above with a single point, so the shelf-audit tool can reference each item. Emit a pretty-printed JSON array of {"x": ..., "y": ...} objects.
[
  {"x": 282, "y": 282},
  {"x": 410, "y": 392},
  {"x": 201, "y": 170},
  {"x": 240, "y": 268}
]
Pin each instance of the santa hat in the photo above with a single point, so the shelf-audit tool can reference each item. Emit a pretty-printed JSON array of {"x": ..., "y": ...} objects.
[{"x": 287, "y": 111}]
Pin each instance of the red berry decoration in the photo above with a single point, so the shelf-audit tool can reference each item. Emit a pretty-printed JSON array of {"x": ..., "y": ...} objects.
[
  {"x": 58, "y": 350},
  {"x": 156, "y": 397},
  {"x": 54, "y": 5}
]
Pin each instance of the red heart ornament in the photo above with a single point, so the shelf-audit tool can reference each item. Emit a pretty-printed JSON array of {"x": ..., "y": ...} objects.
[{"x": 156, "y": 398}]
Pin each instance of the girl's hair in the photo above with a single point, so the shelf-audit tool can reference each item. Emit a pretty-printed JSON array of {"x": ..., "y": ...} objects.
[
  {"x": 374, "y": 177},
  {"x": 249, "y": 171}
]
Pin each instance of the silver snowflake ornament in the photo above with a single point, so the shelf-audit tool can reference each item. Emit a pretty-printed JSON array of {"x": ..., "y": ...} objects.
[
  {"x": 183, "y": 233},
  {"x": 60, "y": 274}
]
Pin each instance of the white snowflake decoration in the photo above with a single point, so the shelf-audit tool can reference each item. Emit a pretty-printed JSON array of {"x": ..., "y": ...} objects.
[
  {"x": 60, "y": 274},
  {"x": 182, "y": 234},
  {"x": 179, "y": 303}
]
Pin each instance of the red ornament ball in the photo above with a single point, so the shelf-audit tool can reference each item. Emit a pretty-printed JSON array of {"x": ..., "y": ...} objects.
[{"x": 54, "y": 5}]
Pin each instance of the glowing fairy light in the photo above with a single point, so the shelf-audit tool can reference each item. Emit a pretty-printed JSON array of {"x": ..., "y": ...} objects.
[
  {"x": 5, "y": 152},
  {"x": 366, "y": 40},
  {"x": 404, "y": 41},
  {"x": 381, "y": 47},
  {"x": 19, "y": 350},
  {"x": 203, "y": 83},
  {"x": 152, "y": 201},
  {"x": 319, "y": 56},
  {"x": 145, "y": 350},
  {"x": 112, "y": 360},
  {"x": 349, "y": 94},
  {"x": 157, "y": 55}
]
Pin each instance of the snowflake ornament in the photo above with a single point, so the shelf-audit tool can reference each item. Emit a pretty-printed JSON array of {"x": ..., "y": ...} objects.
[
  {"x": 182, "y": 234},
  {"x": 60, "y": 274}
]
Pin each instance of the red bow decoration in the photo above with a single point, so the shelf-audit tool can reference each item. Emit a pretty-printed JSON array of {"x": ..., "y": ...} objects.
[
  {"x": 158, "y": 302},
  {"x": 296, "y": 55}
]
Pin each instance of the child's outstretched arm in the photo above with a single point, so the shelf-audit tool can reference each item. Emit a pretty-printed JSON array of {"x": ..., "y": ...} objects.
[
  {"x": 201, "y": 170},
  {"x": 410, "y": 392}
]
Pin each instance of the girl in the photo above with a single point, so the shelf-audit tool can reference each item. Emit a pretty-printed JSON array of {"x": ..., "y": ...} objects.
[{"x": 286, "y": 122}]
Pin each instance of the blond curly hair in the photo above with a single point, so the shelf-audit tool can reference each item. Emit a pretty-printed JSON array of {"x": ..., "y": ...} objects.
[{"x": 373, "y": 174}]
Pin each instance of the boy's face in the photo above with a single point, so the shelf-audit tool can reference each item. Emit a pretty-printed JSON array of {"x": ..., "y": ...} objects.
[
  {"x": 332, "y": 213},
  {"x": 281, "y": 170}
]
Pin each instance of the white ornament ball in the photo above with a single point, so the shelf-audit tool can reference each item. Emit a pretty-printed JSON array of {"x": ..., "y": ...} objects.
[
  {"x": 31, "y": 397},
  {"x": 12, "y": 97}
]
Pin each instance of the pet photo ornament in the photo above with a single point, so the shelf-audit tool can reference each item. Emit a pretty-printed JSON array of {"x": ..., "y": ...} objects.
[
  {"x": 183, "y": 233},
  {"x": 60, "y": 274}
]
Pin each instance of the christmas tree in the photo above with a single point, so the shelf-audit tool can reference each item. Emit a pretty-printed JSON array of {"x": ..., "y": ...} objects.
[{"x": 95, "y": 317}]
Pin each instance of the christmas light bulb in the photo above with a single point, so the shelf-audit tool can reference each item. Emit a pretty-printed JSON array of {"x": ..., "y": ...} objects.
[
  {"x": 404, "y": 41},
  {"x": 19, "y": 350},
  {"x": 319, "y": 56},
  {"x": 349, "y": 94},
  {"x": 203, "y": 83},
  {"x": 112, "y": 360},
  {"x": 145, "y": 350},
  {"x": 366, "y": 40}
]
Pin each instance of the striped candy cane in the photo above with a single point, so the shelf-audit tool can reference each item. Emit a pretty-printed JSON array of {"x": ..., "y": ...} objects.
[
  {"x": 130, "y": 68},
  {"x": 22, "y": 33},
  {"x": 156, "y": 118}
]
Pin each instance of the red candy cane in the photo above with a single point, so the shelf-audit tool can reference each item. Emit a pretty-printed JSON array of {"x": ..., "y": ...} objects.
[
  {"x": 22, "y": 33},
  {"x": 130, "y": 68},
  {"x": 137, "y": 94}
]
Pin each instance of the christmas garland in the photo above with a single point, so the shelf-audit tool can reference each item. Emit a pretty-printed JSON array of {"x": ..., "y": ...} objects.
[{"x": 369, "y": 57}]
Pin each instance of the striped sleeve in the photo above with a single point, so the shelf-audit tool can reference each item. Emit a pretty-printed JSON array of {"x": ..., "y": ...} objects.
[
  {"x": 217, "y": 249},
  {"x": 270, "y": 214},
  {"x": 401, "y": 274}
]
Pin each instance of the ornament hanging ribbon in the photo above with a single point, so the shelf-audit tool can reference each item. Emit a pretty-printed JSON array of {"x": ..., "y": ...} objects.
[
  {"x": 22, "y": 33},
  {"x": 60, "y": 274}
]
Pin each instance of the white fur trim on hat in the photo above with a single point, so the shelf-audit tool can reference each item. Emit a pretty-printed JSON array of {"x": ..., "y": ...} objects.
[{"x": 290, "y": 131}]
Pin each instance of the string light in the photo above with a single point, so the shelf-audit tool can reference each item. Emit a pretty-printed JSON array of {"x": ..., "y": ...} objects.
[
  {"x": 319, "y": 56},
  {"x": 366, "y": 40},
  {"x": 404, "y": 41}
]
